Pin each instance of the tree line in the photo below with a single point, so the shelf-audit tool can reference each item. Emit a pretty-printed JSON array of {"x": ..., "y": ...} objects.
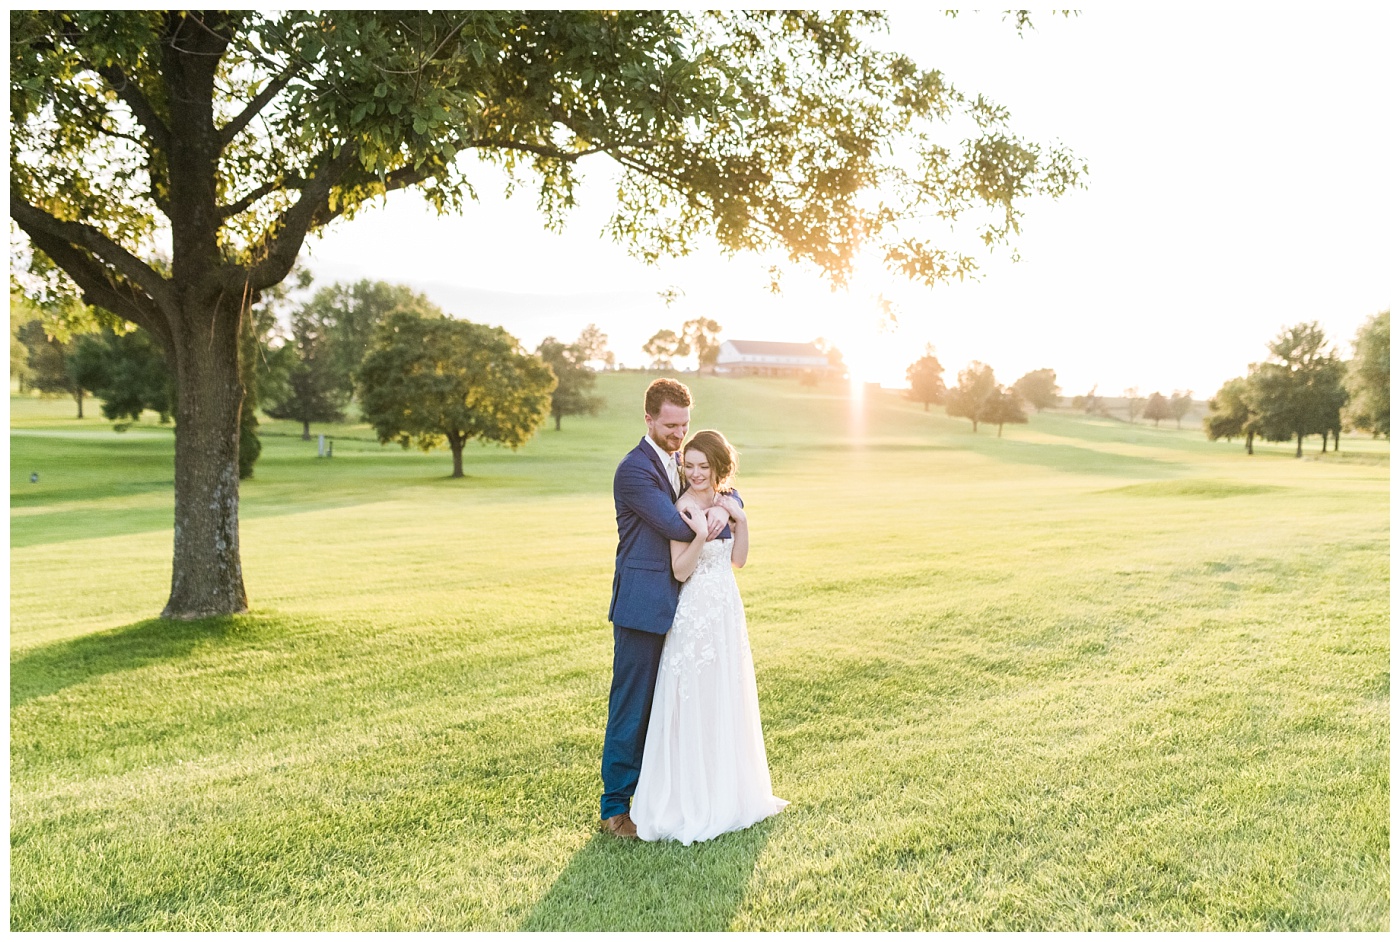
[
  {"x": 1304, "y": 388},
  {"x": 378, "y": 349},
  {"x": 978, "y": 396}
]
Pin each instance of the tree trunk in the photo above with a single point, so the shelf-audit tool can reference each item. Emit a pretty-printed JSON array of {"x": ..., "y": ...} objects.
[
  {"x": 457, "y": 444},
  {"x": 998, "y": 431},
  {"x": 306, "y": 431},
  {"x": 207, "y": 573},
  {"x": 557, "y": 420},
  {"x": 1249, "y": 443},
  {"x": 1336, "y": 440},
  {"x": 1299, "y": 452},
  {"x": 79, "y": 396}
]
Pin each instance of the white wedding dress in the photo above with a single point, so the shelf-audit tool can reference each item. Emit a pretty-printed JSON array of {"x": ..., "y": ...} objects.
[{"x": 704, "y": 768}]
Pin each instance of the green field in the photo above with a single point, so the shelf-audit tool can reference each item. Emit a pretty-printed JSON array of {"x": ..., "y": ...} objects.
[{"x": 1085, "y": 676}]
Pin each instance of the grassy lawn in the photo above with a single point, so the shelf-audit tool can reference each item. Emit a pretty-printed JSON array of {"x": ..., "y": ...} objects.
[{"x": 1084, "y": 676}]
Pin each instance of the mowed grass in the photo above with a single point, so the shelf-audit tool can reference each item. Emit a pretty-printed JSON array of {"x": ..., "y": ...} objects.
[{"x": 1085, "y": 676}]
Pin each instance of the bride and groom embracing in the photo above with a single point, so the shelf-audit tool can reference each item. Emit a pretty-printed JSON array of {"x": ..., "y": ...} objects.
[{"x": 683, "y": 744}]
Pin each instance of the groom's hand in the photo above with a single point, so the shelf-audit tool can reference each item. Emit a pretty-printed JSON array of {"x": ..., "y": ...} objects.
[{"x": 719, "y": 519}]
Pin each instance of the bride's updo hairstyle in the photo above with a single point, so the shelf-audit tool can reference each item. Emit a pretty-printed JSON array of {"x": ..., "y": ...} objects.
[{"x": 723, "y": 459}]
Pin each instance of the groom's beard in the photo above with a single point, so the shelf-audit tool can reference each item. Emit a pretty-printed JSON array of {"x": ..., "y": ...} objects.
[{"x": 663, "y": 444}]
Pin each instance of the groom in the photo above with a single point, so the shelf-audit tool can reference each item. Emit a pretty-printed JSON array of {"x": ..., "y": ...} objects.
[{"x": 644, "y": 592}]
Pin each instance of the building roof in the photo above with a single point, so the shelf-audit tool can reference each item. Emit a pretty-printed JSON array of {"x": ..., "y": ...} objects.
[{"x": 773, "y": 348}]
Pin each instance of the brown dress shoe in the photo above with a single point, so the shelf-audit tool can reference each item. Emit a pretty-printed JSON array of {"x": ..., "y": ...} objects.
[{"x": 619, "y": 825}]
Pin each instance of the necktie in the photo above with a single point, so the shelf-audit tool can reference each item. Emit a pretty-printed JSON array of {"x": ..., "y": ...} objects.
[{"x": 674, "y": 466}]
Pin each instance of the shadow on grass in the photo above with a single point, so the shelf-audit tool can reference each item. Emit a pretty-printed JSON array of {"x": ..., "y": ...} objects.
[
  {"x": 629, "y": 886},
  {"x": 53, "y": 667}
]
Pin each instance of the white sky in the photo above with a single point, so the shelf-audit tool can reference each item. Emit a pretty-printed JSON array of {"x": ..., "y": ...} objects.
[{"x": 1240, "y": 181}]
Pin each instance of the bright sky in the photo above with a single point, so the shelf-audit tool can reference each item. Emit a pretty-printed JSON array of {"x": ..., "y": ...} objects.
[{"x": 1240, "y": 181}]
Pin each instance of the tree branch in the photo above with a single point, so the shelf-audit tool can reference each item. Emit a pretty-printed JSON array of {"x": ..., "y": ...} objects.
[
  {"x": 101, "y": 287},
  {"x": 34, "y": 220},
  {"x": 137, "y": 101},
  {"x": 231, "y": 130},
  {"x": 271, "y": 186}
]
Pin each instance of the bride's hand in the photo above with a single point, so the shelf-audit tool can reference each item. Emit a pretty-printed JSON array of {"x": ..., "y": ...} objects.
[
  {"x": 731, "y": 507},
  {"x": 695, "y": 520}
]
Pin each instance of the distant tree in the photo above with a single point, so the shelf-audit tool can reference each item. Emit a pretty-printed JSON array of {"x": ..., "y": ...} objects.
[
  {"x": 968, "y": 400},
  {"x": 1368, "y": 377},
  {"x": 1180, "y": 404},
  {"x": 1157, "y": 408},
  {"x": 315, "y": 390},
  {"x": 430, "y": 380},
  {"x": 262, "y": 368},
  {"x": 1294, "y": 393},
  {"x": 1229, "y": 414},
  {"x": 46, "y": 360},
  {"x": 701, "y": 335},
  {"x": 1134, "y": 398},
  {"x": 1038, "y": 388},
  {"x": 349, "y": 314},
  {"x": 1090, "y": 402},
  {"x": 1327, "y": 397},
  {"x": 836, "y": 363},
  {"x": 594, "y": 345},
  {"x": 47, "y": 334},
  {"x": 1003, "y": 407},
  {"x": 925, "y": 377},
  {"x": 569, "y": 361},
  {"x": 663, "y": 346},
  {"x": 20, "y": 315},
  {"x": 128, "y": 372}
]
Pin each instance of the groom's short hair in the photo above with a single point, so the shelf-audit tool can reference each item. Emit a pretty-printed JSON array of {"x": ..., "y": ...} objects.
[{"x": 666, "y": 390}]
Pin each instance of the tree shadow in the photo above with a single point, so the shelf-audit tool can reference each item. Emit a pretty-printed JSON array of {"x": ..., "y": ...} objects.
[
  {"x": 613, "y": 885},
  {"x": 49, "y": 668}
]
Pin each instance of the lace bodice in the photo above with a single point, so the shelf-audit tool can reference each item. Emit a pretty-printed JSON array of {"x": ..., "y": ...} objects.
[{"x": 715, "y": 557}]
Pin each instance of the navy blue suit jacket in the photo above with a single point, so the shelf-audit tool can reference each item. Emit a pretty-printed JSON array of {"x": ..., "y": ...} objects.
[{"x": 644, "y": 591}]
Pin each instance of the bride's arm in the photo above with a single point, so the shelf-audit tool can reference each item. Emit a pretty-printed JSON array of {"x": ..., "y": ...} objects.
[
  {"x": 684, "y": 556},
  {"x": 739, "y": 527}
]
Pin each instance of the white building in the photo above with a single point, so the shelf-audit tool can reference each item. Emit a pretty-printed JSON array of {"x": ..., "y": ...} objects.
[{"x": 769, "y": 358}]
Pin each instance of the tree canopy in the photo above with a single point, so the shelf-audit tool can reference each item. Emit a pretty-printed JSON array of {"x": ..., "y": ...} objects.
[
  {"x": 1038, "y": 387},
  {"x": 427, "y": 381},
  {"x": 1229, "y": 413},
  {"x": 977, "y": 384},
  {"x": 569, "y": 362},
  {"x": 1368, "y": 377},
  {"x": 1157, "y": 408},
  {"x": 169, "y": 165},
  {"x": 925, "y": 377}
]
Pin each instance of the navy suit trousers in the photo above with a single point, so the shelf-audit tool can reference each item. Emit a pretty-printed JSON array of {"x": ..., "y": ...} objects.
[{"x": 636, "y": 657}]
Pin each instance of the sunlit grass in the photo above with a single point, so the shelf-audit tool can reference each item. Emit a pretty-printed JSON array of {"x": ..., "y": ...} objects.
[{"x": 1086, "y": 676}]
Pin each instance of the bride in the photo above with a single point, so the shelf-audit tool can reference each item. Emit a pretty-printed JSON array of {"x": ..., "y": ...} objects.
[{"x": 704, "y": 768}]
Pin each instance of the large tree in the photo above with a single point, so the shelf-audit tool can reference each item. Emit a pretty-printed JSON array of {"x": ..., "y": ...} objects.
[
  {"x": 172, "y": 163},
  {"x": 1297, "y": 391},
  {"x": 701, "y": 334},
  {"x": 1368, "y": 377},
  {"x": 427, "y": 381}
]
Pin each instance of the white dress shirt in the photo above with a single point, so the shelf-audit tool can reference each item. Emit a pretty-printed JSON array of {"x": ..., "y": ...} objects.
[{"x": 673, "y": 471}]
